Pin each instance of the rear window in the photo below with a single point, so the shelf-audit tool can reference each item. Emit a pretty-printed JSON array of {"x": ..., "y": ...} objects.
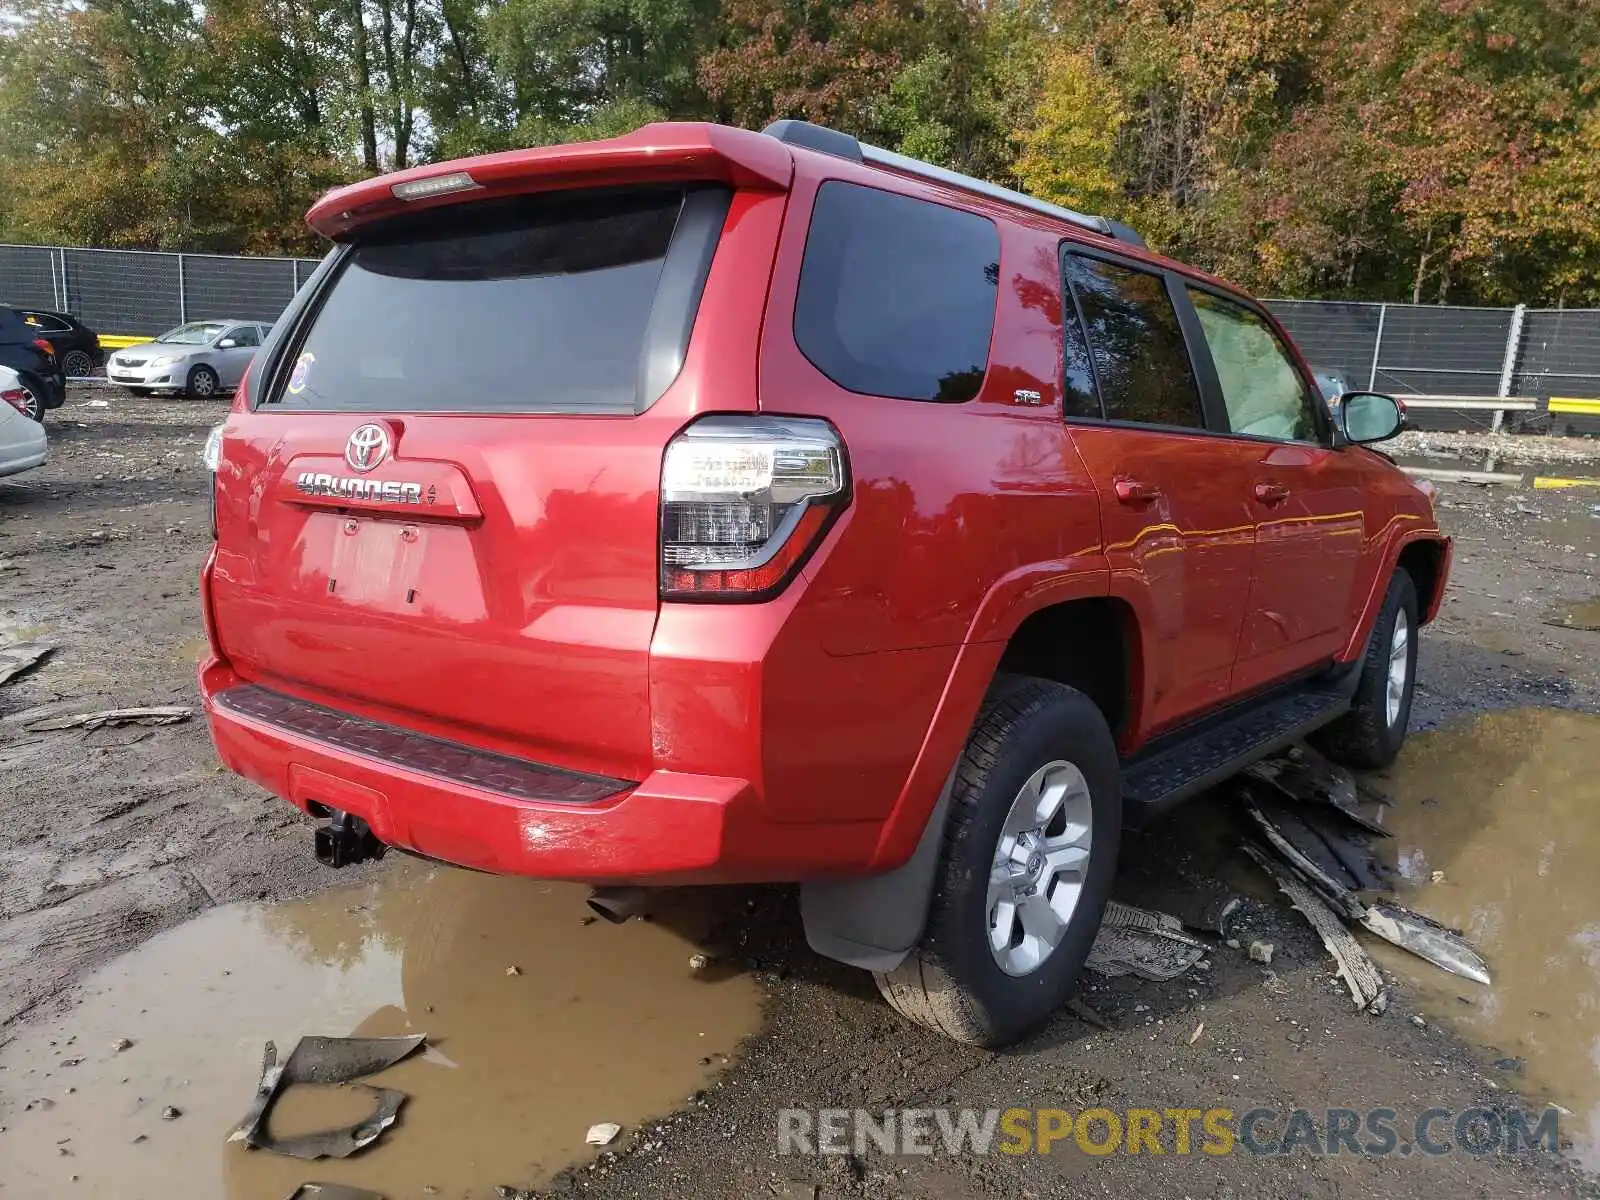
[
  {"x": 538, "y": 304},
  {"x": 897, "y": 295}
]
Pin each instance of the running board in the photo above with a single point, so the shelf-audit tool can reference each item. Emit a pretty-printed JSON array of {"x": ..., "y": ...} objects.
[{"x": 1190, "y": 761}]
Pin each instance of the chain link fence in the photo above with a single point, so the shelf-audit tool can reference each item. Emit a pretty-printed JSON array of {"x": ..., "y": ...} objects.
[
  {"x": 1434, "y": 353},
  {"x": 130, "y": 294}
]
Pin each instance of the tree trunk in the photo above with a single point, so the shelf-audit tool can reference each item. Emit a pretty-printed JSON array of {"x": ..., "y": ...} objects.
[
  {"x": 369, "y": 119},
  {"x": 1422, "y": 269}
]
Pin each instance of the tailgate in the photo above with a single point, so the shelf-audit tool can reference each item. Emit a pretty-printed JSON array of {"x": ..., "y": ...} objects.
[
  {"x": 520, "y": 601},
  {"x": 443, "y": 509}
]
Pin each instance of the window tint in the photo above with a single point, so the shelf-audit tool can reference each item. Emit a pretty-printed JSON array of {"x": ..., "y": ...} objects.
[
  {"x": 535, "y": 305},
  {"x": 1136, "y": 344},
  {"x": 1265, "y": 395},
  {"x": 45, "y": 323},
  {"x": 245, "y": 335},
  {"x": 13, "y": 329},
  {"x": 1079, "y": 395},
  {"x": 897, "y": 295}
]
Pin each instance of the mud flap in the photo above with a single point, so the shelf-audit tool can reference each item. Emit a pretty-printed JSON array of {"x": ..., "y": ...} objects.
[{"x": 874, "y": 922}]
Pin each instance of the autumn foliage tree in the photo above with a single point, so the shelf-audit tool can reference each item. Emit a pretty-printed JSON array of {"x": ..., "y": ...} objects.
[{"x": 1437, "y": 150}]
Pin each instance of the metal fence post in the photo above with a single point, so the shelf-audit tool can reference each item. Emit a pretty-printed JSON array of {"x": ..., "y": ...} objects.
[
  {"x": 1377, "y": 348},
  {"x": 294, "y": 274},
  {"x": 1508, "y": 369},
  {"x": 183, "y": 300},
  {"x": 66, "y": 299}
]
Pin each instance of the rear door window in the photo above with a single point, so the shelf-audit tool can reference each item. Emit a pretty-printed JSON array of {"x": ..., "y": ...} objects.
[
  {"x": 897, "y": 295},
  {"x": 45, "y": 323},
  {"x": 535, "y": 304},
  {"x": 1135, "y": 344}
]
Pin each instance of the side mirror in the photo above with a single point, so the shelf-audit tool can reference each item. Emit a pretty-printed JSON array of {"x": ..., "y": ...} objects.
[
  {"x": 226, "y": 344},
  {"x": 1367, "y": 417}
]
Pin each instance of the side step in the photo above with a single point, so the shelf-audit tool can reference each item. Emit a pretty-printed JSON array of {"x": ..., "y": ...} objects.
[{"x": 1190, "y": 760}]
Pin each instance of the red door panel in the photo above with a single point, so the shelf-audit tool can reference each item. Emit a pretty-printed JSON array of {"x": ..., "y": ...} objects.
[
  {"x": 1179, "y": 531},
  {"x": 1309, "y": 538}
]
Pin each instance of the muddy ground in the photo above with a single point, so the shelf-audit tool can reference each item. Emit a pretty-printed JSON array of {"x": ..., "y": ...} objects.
[{"x": 110, "y": 838}]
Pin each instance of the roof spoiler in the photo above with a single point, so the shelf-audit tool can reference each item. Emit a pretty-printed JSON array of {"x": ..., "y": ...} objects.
[
  {"x": 841, "y": 145},
  {"x": 662, "y": 152}
]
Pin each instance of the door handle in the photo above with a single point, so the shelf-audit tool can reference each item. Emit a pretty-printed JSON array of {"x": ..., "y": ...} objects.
[
  {"x": 1271, "y": 493},
  {"x": 1131, "y": 491}
]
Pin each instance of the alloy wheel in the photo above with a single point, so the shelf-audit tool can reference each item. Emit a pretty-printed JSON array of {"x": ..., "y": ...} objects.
[
  {"x": 1040, "y": 866},
  {"x": 1399, "y": 667}
]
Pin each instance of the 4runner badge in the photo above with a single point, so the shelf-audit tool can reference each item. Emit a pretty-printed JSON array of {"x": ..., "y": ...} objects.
[{"x": 368, "y": 446}]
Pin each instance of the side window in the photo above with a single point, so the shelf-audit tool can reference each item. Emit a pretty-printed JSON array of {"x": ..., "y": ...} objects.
[
  {"x": 1264, "y": 394},
  {"x": 245, "y": 335},
  {"x": 897, "y": 295},
  {"x": 1135, "y": 344},
  {"x": 45, "y": 323}
]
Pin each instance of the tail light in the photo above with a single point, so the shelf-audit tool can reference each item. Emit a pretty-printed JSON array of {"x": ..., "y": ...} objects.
[
  {"x": 47, "y": 347},
  {"x": 212, "y": 457},
  {"x": 17, "y": 398},
  {"x": 744, "y": 501}
]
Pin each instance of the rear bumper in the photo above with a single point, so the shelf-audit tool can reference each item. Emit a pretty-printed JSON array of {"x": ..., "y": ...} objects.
[
  {"x": 15, "y": 459},
  {"x": 671, "y": 828}
]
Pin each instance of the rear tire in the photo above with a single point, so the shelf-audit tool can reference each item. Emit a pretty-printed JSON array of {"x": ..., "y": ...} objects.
[
  {"x": 1370, "y": 735},
  {"x": 78, "y": 363},
  {"x": 973, "y": 976}
]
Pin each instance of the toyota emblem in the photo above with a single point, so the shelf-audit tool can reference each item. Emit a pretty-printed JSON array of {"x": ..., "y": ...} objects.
[{"x": 368, "y": 446}]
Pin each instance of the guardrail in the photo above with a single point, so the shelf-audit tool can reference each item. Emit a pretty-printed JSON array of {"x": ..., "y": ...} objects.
[{"x": 1498, "y": 405}]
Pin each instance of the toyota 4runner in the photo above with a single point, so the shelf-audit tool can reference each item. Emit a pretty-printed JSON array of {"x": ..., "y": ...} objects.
[{"x": 709, "y": 506}]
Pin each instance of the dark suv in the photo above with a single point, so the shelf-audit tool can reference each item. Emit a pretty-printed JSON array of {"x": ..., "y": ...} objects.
[
  {"x": 818, "y": 516},
  {"x": 27, "y": 352}
]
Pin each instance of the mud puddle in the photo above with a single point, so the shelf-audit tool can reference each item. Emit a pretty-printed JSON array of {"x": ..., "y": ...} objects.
[
  {"x": 1575, "y": 614},
  {"x": 1508, "y": 808},
  {"x": 538, "y": 1025}
]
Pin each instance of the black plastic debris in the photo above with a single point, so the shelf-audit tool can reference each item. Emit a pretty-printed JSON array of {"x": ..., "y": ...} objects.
[
  {"x": 1355, "y": 965},
  {"x": 1337, "y": 867},
  {"x": 327, "y": 1060},
  {"x": 1136, "y": 941},
  {"x": 1303, "y": 775}
]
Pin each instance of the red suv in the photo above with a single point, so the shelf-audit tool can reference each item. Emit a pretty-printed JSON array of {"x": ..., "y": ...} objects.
[{"x": 708, "y": 506}]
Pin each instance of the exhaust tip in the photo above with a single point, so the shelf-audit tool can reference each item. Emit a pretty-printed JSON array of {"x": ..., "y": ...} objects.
[{"x": 617, "y": 904}]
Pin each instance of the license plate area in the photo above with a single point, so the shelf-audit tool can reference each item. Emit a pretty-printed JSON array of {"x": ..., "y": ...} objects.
[{"x": 377, "y": 563}]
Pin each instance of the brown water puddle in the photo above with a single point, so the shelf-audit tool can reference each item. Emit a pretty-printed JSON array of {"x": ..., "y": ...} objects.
[
  {"x": 1576, "y": 614},
  {"x": 1508, "y": 808},
  {"x": 598, "y": 1023}
]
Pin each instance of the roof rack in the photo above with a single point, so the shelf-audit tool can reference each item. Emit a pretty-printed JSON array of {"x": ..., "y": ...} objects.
[{"x": 842, "y": 145}]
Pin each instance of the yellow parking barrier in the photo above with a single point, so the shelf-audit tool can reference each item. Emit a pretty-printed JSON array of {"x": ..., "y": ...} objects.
[{"x": 1575, "y": 404}]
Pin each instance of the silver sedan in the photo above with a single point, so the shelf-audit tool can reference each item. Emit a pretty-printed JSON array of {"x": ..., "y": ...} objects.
[{"x": 201, "y": 358}]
